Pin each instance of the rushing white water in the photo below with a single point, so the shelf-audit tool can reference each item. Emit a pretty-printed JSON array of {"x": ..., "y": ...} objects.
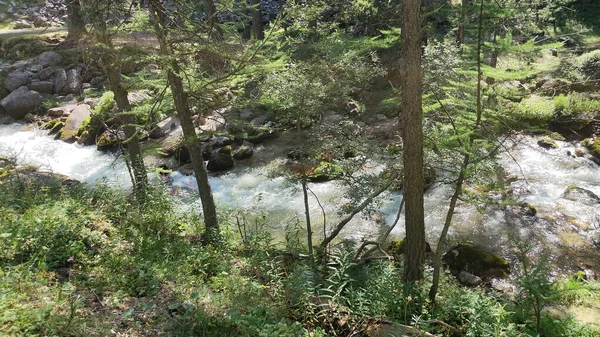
[
  {"x": 86, "y": 164},
  {"x": 542, "y": 175}
]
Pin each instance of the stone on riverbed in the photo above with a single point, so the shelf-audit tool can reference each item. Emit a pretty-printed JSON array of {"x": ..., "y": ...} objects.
[{"x": 476, "y": 261}]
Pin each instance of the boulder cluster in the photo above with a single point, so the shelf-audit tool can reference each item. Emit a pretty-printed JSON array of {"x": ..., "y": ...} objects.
[
  {"x": 28, "y": 83},
  {"x": 53, "y": 13}
]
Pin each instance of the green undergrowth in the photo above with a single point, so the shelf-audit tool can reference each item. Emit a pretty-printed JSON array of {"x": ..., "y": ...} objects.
[{"x": 85, "y": 261}]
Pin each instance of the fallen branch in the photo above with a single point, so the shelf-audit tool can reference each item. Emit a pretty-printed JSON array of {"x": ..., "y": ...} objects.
[{"x": 326, "y": 241}]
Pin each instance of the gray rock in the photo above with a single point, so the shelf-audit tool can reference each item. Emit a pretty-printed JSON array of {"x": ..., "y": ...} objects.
[
  {"x": 43, "y": 87},
  {"x": 165, "y": 127},
  {"x": 469, "y": 279},
  {"x": 246, "y": 114},
  {"x": 23, "y": 24},
  {"x": 74, "y": 82},
  {"x": 581, "y": 195},
  {"x": 136, "y": 97},
  {"x": 47, "y": 74},
  {"x": 21, "y": 102},
  {"x": 60, "y": 82},
  {"x": 187, "y": 169},
  {"x": 36, "y": 67},
  {"x": 221, "y": 141},
  {"x": 75, "y": 120},
  {"x": 244, "y": 151},
  {"x": 110, "y": 138},
  {"x": 49, "y": 59},
  {"x": 17, "y": 79},
  {"x": 258, "y": 121},
  {"x": 56, "y": 112},
  {"x": 173, "y": 142},
  {"x": 220, "y": 159}
]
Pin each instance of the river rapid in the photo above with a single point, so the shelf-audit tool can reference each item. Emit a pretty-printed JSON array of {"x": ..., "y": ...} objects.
[{"x": 568, "y": 229}]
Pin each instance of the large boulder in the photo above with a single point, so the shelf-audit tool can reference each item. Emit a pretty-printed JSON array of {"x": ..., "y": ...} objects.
[
  {"x": 476, "y": 261},
  {"x": 110, "y": 138},
  {"x": 581, "y": 195},
  {"x": 49, "y": 59},
  {"x": 593, "y": 145},
  {"x": 60, "y": 81},
  {"x": 43, "y": 87},
  {"x": 21, "y": 102},
  {"x": 554, "y": 86},
  {"x": 164, "y": 127},
  {"x": 74, "y": 122},
  {"x": 17, "y": 79},
  {"x": 220, "y": 159},
  {"x": 74, "y": 83},
  {"x": 172, "y": 142}
]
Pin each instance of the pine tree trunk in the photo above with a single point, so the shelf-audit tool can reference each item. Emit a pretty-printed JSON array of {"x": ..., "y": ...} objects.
[
  {"x": 211, "y": 13},
  {"x": 113, "y": 73},
  {"x": 75, "y": 22},
  {"x": 258, "y": 29},
  {"x": 180, "y": 98},
  {"x": 413, "y": 140}
]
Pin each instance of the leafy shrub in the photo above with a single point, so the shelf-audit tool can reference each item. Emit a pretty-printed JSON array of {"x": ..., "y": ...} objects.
[
  {"x": 589, "y": 64},
  {"x": 105, "y": 105},
  {"x": 576, "y": 105}
]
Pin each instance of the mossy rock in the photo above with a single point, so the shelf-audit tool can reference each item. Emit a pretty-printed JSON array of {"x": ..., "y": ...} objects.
[
  {"x": 581, "y": 195},
  {"x": 557, "y": 136},
  {"x": 325, "y": 171},
  {"x": 593, "y": 145},
  {"x": 547, "y": 143},
  {"x": 396, "y": 248},
  {"x": 475, "y": 260}
]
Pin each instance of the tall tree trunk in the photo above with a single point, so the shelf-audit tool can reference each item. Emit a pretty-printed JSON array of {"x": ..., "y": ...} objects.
[
  {"x": 211, "y": 13},
  {"x": 258, "y": 29},
  {"x": 112, "y": 70},
  {"x": 75, "y": 22},
  {"x": 460, "y": 33},
  {"x": 413, "y": 140},
  {"x": 180, "y": 98},
  {"x": 463, "y": 168}
]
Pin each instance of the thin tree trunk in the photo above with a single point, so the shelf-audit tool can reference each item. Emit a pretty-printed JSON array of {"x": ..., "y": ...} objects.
[
  {"x": 463, "y": 169},
  {"x": 413, "y": 140},
  {"x": 258, "y": 29},
  {"x": 113, "y": 73},
  {"x": 309, "y": 232},
  {"x": 460, "y": 32},
  {"x": 211, "y": 13},
  {"x": 181, "y": 105},
  {"x": 75, "y": 22}
]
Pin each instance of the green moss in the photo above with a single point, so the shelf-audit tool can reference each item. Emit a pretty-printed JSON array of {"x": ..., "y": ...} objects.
[
  {"x": 547, "y": 142},
  {"x": 535, "y": 110},
  {"x": 593, "y": 145},
  {"x": 557, "y": 136}
]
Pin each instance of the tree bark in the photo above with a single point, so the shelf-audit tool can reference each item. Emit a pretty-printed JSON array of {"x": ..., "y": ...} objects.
[
  {"x": 413, "y": 140},
  {"x": 258, "y": 29},
  {"x": 75, "y": 22},
  {"x": 180, "y": 98},
  {"x": 215, "y": 30}
]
